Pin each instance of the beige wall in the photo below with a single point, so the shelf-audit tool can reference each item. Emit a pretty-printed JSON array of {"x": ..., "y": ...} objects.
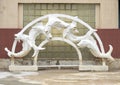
[
  {"x": 106, "y": 12},
  {"x": 9, "y": 14},
  {"x": 109, "y": 14}
]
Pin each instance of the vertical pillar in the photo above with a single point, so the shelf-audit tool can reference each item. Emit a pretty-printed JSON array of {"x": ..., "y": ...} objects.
[
  {"x": 13, "y": 50},
  {"x": 12, "y": 61}
]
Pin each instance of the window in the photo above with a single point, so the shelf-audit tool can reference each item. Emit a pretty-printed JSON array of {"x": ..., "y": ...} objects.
[{"x": 57, "y": 49}]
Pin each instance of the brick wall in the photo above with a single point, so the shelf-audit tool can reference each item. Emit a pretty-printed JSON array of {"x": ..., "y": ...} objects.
[
  {"x": 6, "y": 40},
  {"x": 111, "y": 36},
  {"x": 108, "y": 36}
]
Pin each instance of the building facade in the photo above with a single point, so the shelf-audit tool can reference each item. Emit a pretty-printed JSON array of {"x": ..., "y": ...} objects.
[
  {"x": 99, "y": 14},
  {"x": 104, "y": 11}
]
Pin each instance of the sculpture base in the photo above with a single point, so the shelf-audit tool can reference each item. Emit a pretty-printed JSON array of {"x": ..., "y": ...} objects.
[
  {"x": 81, "y": 68},
  {"x": 93, "y": 68},
  {"x": 23, "y": 68}
]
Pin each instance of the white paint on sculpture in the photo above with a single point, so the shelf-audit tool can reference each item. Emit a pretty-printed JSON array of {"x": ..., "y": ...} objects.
[
  {"x": 54, "y": 21},
  {"x": 88, "y": 40},
  {"x": 25, "y": 47},
  {"x": 28, "y": 41},
  {"x": 92, "y": 45}
]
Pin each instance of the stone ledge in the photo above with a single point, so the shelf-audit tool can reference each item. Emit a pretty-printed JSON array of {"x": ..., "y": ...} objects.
[
  {"x": 93, "y": 68},
  {"x": 23, "y": 68}
]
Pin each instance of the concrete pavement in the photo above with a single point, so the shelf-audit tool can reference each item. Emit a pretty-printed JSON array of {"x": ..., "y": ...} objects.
[{"x": 60, "y": 77}]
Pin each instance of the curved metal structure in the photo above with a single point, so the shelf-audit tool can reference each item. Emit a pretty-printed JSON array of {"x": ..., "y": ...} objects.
[{"x": 88, "y": 40}]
